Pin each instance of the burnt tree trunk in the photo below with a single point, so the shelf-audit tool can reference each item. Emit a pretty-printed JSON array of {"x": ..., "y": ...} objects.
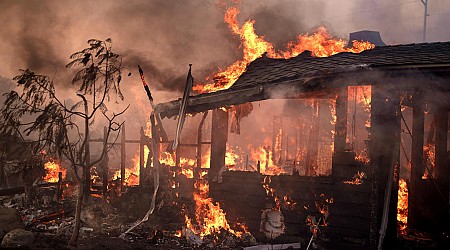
[
  {"x": 76, "y": 228},
  {"x": 219, "y": 137},
  {"x": 104, "y": 165}
]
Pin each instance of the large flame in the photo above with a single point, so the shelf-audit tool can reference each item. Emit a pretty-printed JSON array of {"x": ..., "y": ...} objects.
[
  {"x": 52, "y": 168},
  {"x": 402, "y": 206},
  {"x": 321, "y": 44},
  {"x": 209, "y": 216}
]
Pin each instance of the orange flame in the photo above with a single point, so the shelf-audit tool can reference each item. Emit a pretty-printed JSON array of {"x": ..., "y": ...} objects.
[
  {"x": 209, "y": 216},
  {"x": 430, "y": 156},
  {"x": 52, "y": 168},
  {"x": 321, "y": 44},
  {"x": 402, "y": 206},
  {"x": 357, "y": 179}
]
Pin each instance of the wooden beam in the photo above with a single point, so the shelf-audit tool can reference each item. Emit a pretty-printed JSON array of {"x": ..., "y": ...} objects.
[
  {"x": 385, "y": 124},
  {"x": 341, "y": 121},
  {"x": 199, "y": 145},
  {"x": 442, "y": 167},
  {"x": 219, "y": 137},
  {"x": 417, "y": 162}
]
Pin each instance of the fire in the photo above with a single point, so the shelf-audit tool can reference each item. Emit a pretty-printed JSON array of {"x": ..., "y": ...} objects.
[
  {"x": 402, "y": 206},
  {"x": 132, "y": 174},
  {"x": 429, "y": 152},
  {"x": 52, "y": 168},
  {"x": 322, "y": 205},
  {"x": 357, "y": 179},
  {"x": 263, "y": 154},
  {"x": 321, "y": 44},
  {"x": 209, "y": 216}
]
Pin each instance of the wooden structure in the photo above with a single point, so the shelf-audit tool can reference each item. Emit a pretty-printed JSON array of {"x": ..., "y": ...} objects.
[{"x": 414, "y": 75}]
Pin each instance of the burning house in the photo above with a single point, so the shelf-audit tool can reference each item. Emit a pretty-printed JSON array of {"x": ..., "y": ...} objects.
[{"x": 338, "y": 144}]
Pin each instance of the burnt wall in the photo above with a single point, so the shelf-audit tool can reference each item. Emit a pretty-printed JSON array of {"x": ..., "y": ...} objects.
[{"x": 243, "y": 197}]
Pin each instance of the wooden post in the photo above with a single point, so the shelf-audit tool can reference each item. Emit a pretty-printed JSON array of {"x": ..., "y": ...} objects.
[
  {"x": 313, "y": 142},
  {"x": 122, "y": 157},
  {"x": 341, "y": 121},
  {"x": 59, "y": 187},
  {"x": 141, "y": 156},
  {"x": 417, "y": 164},
  {"x": 442, "y": 169},
  {"x": 385, "y": 120},
  {"x": 258, "y": 166},
  {"x": 219, "y": 137},
  {"x": 197, "y": 170},
  {"x": 277, "y": 139},
  {"x": 104, "y": 166}
]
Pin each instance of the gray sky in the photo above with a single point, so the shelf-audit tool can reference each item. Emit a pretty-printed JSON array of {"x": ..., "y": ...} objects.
[{"x": 164, "y": 36}]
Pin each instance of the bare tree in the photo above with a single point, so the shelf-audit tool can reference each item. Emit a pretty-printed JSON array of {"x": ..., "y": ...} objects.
[{"x": 37, "y": 113}]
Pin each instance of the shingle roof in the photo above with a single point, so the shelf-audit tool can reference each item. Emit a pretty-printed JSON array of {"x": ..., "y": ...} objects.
[{"x": 267, "y": 72}]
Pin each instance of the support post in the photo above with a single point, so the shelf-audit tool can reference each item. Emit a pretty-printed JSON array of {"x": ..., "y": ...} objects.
[
  {"x": 219, "y": 137},
  {"x": 59, "y": 187},
  {"x": 197, "y": 170},
  {"x": 385, "y": 119},
  {"x": 122, "y": 157},
  {"x": 442, "y": 168},
  {"x": 313, "y": 143},
  {"x": 341, "y": 121},
  {"x": 141, "y": 157},
  {"x": 417, "y": 163}
]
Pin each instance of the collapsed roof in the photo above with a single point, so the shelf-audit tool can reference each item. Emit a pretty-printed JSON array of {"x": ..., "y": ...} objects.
[{"x": 305, "y": 76}]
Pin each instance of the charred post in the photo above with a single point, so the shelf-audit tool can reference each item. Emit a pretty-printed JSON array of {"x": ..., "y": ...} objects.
[
  {"x": 442, "y": 168},
  {"x": 59, "y": 187},
  {"x": 219, "y": 137},
  {"x": 141, "y": 156},
  {"x": 385, "y": 135},
  {"x": 341, "y": 121},
  {"x": 197, "y": 170},
  {"x": 417, "y": 162},
  {"x": 122, "y": 156}
]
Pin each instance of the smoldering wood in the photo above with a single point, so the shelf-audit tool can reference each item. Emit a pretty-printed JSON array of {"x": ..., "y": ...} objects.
[{"x": 242, "y": 196}]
